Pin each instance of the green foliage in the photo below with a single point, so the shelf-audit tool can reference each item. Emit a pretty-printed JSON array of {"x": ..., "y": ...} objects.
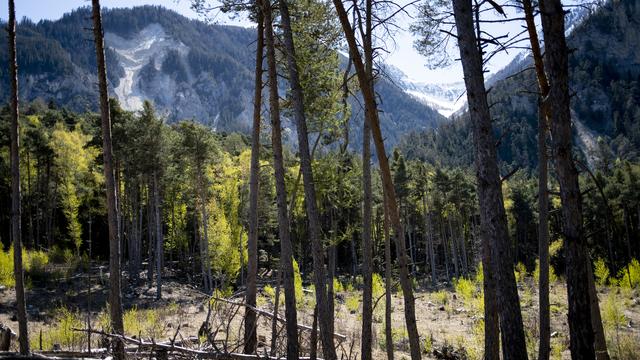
[
  {"x": 629, "y": 276},
  {"x": 6, "y": 268},
  {"x": 601, "y": 272},
  {"x": 297, "y": 282},
  {"x": 520, "y": 272},
  {"x": 64, "y": 321},
  {"x": 337, "y": 286},
  {"x": 612, "y": 313},
  {"x": 352, "y": 303},
  {"x": 464, "y": 288},
  {"x": 441, "y": 297},
  {"x": 147, "y": 323}
]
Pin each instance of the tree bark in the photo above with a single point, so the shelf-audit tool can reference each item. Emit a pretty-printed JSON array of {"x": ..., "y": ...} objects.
[
  {"x": 492, "y": 213},
  {"x": 429, "y": 250},
  {"x": 115, "y": 296},
  {"x": 367, "y": 89},
  {"x": 16, "y": 216},
  {"x": 544, "y": 347},
  {"x": 159, "y": 238},
  {"x": 367, "y": 248},
  {"x": 325, "y": 316},
  {"x": 286, "y": 250},
  {"x": 387, "y": 284},
  {"x": 557, "y": 66},
  {"x": 250, "y": 321}
]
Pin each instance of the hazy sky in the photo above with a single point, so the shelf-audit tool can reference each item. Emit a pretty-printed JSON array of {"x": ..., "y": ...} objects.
[{"x": 402, "y": 53}]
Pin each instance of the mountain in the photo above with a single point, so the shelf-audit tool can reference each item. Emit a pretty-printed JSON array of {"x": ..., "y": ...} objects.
[
  {"x": 605, "y": 81},
  {"x": 444, "y": 98},
  {"x": 189, "y": 69}
]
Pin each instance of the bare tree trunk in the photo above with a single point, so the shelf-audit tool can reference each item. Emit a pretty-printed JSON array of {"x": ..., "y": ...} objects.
[
  {"x": 367, "y": 248},
  {"x": 250, "y": 321},
  {"x": 115, "y": 296},
  {"x": 274, "y": 322},
  {"x": 159, "y": 238},
  {"x": 150, "y": 235},
  {"x": 286, "y": 250},
  {"x": 544, "y": 348},
  {"x": 325, "y": 316},
  {"x": 429, "y": 250},
  {"x": 454, "y": 252},
  {"x": 600, "y": 342},
  {"x": 204, "y": 241},
  {"x": 557, "y": 65},
  {"x": 491, "y": 320},
  {"x": 492, "y": 213},
  {"x": 366, "y": 86},
  {"x": 16, "y": 218},
  {"x": 387, "y": 284}
]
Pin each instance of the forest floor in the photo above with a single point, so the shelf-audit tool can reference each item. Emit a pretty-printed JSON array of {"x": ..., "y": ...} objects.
[{"x": 449, "y": 316}]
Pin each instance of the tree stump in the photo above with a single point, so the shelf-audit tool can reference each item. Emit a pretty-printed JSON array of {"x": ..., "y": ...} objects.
[{"x": 5, "y": 337}]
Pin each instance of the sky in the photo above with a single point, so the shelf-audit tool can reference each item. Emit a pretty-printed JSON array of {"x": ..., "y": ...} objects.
[{"x": 402, "y": 54}]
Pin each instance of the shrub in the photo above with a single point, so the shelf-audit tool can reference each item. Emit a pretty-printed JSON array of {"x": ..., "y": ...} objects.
[
  {"x": 62, "y": 333},
  {"x": 520, "y": 272},
  {"x": 441, "y": 297},
  {"x": 352, "y": 303},
  {"x": 630, "y": 275},
  {"x": 146, "y": 323},
  {"x": 6, "y": 268},
  {"x": 377, "y": 286},
  {"x": 601, "y": 272},
  {"x": 464, "y": 288},
  {"x": 337, "y": 286}
]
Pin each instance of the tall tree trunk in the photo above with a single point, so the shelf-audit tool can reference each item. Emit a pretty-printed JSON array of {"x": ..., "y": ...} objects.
[
  {"x": 366, "y": 86},
  {"x": 325, "y": 316},
  {"x": 367, "y": 247},
  {"x": 544, "y": 347},
  {"x": 492, "y": 213},
  {"x": 454, "y": 252},
  {"x": 429, "y": 250},
  {"x": 250, "y": 320},
  {"x": 16, "y": 218},
  {"x": 387, "y": 284},
  {"x": 491, "y": 320},
  {"x": 274, "y": 322},
  {"x": 150, "y": 235},
  {"x": 286, "y": 250},
  {"x": 557, "y": 65},
  {"x": 204, "y": 241},
  {"x": 115, "y": 296},
  {"x": 159, "y": 238}
]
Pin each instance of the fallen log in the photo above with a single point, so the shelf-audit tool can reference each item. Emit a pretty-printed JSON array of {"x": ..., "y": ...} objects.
[
  {"x": 271, "y": 315},
  {"x": 200, "y": 354}
]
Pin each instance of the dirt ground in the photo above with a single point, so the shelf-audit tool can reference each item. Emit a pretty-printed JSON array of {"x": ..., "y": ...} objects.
[{"x": 443, "y": 317}]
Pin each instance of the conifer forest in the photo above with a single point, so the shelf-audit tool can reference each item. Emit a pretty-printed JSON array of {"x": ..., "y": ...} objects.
[{"x": 320, "y": 179}]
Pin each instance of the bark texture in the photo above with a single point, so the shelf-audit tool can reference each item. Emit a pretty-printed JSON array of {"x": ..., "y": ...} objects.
[
  {"x": 115, "y": 296},
  {"x": 16, "y": 211},
  {"x": 325, "y": 313},
  {"x": 286, "y": 249},
  {"x": 493, "y": 219},
  {"x": 368, "y": 95},
  {"x": 557, "y": 68},
  {"x": 250, "y": 323}
]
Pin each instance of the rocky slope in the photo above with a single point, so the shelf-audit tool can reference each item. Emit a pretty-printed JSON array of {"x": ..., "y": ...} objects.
[{"x": 187, "y": 68}]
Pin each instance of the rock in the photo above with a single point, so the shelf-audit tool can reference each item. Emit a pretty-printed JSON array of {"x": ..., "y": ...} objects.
[
  {"x": 56, "y": 347},
  {"x": 169, "y": 325},
  {"x": 14, "y": 317},
  {"x": 460, "y": 310},
  {"x": 430, "y": 304},
  {"x": 441, "y": 308},
  {"x": 554, "y": 334},
  {"x": 3, "y": 288},
  {"x": 454, "y": 297},
  {"x": 185, "y": 325}
]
